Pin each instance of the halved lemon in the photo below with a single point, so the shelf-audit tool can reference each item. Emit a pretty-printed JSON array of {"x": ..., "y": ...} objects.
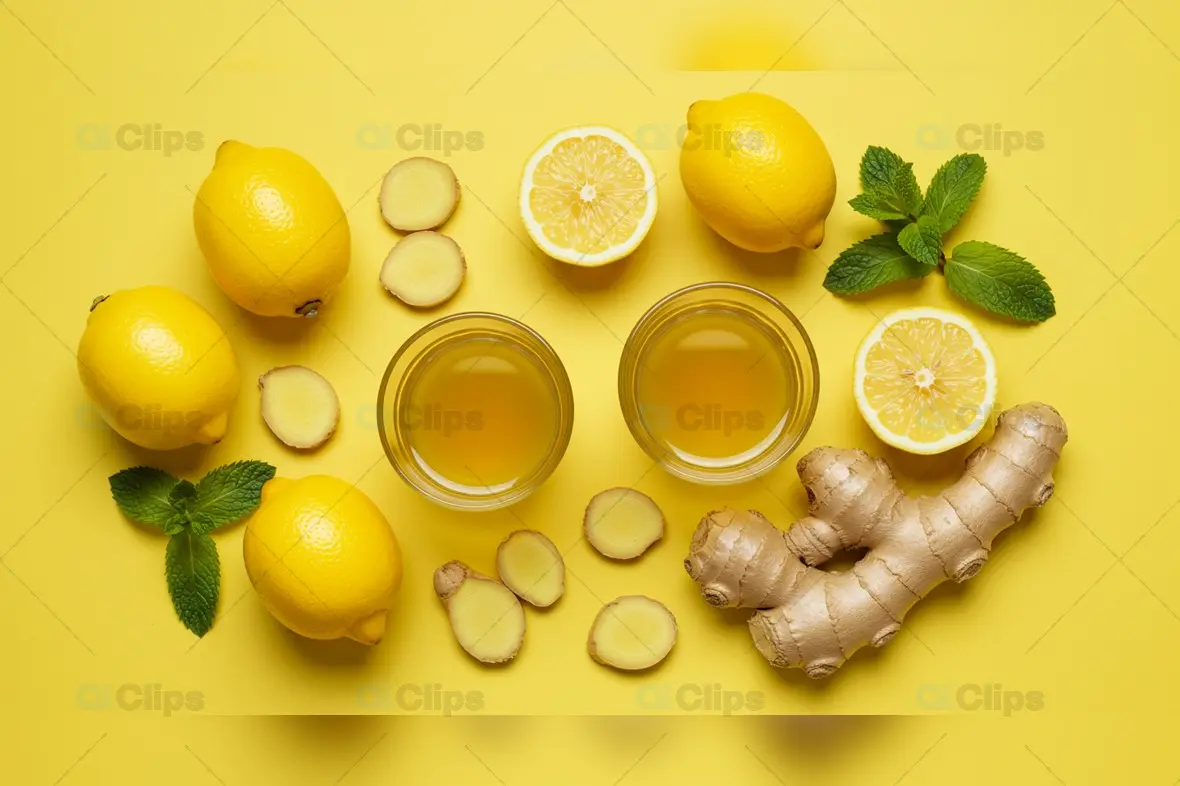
[
  {"x": 588, "y": 196},
  {"x": 925, "y": 380}
]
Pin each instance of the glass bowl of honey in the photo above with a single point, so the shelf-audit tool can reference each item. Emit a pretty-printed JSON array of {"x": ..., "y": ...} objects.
[
  {"x": 475, "y": 411},
  {"x": 719, "y": 383}
]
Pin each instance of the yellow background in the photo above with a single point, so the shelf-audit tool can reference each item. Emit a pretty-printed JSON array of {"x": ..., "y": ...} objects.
[{"x": 1079, "y": 601}]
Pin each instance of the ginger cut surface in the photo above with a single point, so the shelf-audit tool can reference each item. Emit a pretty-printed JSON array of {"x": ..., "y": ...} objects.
[
  {"x": 622, "y": 523},
  {"x": 531, "y": 566},
  {"x": 632, "y": 633},
  {"x": 299, "y": 406},
  {"x": 815, "y": 620},
  {"x": 424, "y": 269},
  {"x": 487, "y": 619},
  {"x": 418, "y": 193}
]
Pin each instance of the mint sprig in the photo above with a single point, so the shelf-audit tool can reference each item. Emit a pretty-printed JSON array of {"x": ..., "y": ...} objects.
[
  {"x": 187, "y": 513},
  {"x": 983, "y": 274}
]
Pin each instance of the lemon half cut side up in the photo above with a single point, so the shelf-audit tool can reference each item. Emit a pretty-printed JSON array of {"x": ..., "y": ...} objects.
[{"x": 925, "y": 380}]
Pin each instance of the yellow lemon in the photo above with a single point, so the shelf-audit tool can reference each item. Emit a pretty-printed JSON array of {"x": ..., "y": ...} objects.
[
  {"x": 588, "y": 196},
  {"x": 925, "y": 380},
  {"x": 323, "y": 559},
  {"x": 757, "y": 172},
  {"x": 158, "y": 368},
  {"x": 272, "y": 230}
]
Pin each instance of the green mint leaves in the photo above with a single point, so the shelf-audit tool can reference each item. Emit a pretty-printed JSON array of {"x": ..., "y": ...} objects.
[
  {"x": 871, "y": 263},
  {"x": 144, "y": 494},
  {"x": 1000, "y": 281},
  {"x": 986, "y": 275},
  {"x": 229, "y": 493},
  {"x": 193, "y": 572},
  {"x": 890, "y": 190},
  {"x": 922, "y": 240},
  {"x": 187, "y": 513},
  {"x": 953, "y": 189}
]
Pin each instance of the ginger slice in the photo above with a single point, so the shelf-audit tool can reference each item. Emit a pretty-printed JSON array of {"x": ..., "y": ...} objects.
[
  {"x": 632, "y": 633},
  {"x": 424, "y": 269},
  {"x": 622, "y": 523},
  {"x": 299, "y": 406},
  {"x": 531, "y": 566},
  {"x": 486, "y": 617},
  {"x": 418, "y": 193}
]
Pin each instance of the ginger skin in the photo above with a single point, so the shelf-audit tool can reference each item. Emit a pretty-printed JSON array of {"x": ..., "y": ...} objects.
[{"x": 813, "y": 619}]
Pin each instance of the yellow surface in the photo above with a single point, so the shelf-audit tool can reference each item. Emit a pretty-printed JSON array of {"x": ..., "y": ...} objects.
[{"x": 1079, "y": 603}]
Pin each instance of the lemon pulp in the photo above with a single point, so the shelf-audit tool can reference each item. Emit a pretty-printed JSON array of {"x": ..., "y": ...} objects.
[
  {"x": 926, "y": 381},
  {"x": 588, "y": 197}
]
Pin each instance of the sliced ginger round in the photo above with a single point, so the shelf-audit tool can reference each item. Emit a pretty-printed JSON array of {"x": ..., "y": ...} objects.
[
  {"x": 925, "y": 380},
  {"x": 588, "y": 196},
  {"x": 486, "y": 617},
  {"x": 531, "y": 566},
  {"x": 632, "y": 633},
  {"x": 299, "y": 406},
  {"x": 418, "y": 193},
  {"x": 424, "y": 269},
  {"x": 622, "y": 523}
]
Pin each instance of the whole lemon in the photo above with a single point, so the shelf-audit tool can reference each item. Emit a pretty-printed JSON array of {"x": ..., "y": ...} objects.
[
  {"x": 757, "y": 172},
  {"x": 158, "y": 368},
  {"x": 323, "y": 558},
  {"x": 272, "y": 230}
]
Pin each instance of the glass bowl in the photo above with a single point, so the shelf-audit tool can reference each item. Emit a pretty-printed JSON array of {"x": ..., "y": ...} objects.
[
  {"x": 397, "y": 416},
  {"x": 776, "y": 324}
]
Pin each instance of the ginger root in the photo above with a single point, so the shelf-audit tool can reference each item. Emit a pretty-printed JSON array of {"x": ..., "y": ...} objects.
[
  {"x": 486, "y": 617},
  {"x": 622, "y": 523},
  {"x": 632, "y": 633},
  {"x": 424, "y": 269},
  {"x": 813, "y": 619},
  {"x": 418, "y": 193},
  {"x": 299, "y": 406},
  {"x": 531, "y": 566}
]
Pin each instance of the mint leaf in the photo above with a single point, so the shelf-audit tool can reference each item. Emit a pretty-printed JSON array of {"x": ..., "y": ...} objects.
[
  {"x": 871, "y": 263},
  {"x": 228, "y": 493},
  {"x": 922, "y": 241},
  {"x": 1000, "y": 281},
  {"x": 143, "y": 494},
  {"x": 193, "y": 572},
  {"x": 876, "y": 206},
  {"x": 891, "y": 190},
  {"x": 181, "y": 494},
  {"x": 953, "y": 188}
]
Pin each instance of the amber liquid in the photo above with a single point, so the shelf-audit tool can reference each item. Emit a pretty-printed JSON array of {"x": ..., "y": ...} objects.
[
  {"x": 715, "y": 387},
  {"x": 481, "y": 415}
]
